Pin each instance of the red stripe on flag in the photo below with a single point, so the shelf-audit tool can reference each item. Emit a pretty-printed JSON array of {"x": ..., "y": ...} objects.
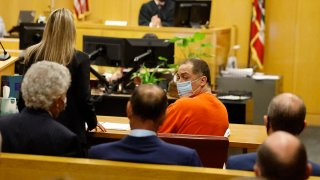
[{"x": 257, "y": 32}]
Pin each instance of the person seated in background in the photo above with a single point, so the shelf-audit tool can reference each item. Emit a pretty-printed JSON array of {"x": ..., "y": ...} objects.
[
  {"x": 34, "y": 130},
  {"x": 286, "y": 112},
  {"x": 157, "y": 13},
  {"x": 282, "y": 156},
  {"x": 197, "y": 111},
  {"x": 146, "y": 111}
]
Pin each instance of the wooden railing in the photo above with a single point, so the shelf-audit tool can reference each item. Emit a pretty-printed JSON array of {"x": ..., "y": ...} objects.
[{"x": 21, "y": 166}]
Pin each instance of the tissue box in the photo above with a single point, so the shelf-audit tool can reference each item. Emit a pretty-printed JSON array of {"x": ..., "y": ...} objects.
[{"x": 14, "y": 82}]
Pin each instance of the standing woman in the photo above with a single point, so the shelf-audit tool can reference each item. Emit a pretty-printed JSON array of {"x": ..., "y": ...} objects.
[{"x": 58, "y": 45}]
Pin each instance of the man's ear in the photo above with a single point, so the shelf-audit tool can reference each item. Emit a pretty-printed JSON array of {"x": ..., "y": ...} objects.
[
  {"x": 257, "y": 170},
  {"x": 129, "y": 110},
  {"x": 309, "y": 170},
  {"x": 203, "y": 80},
  {"x": 267, "y": 124},
  {"x": 265, "y": 120},
  {"x": 305, "y": 124}
]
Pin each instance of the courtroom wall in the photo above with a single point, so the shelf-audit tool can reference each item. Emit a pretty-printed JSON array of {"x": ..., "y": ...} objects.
[
  {"x": 292, "y": 49},
  {"x": 291, "y": 45}
]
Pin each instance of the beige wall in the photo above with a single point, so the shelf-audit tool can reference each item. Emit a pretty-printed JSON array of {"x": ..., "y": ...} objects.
[
  {"x": 9, "y": 9},
  {"x": 101, "y": 10},
  {"x": 292, "y": 49},
  {"x": 236, "y": 14}
]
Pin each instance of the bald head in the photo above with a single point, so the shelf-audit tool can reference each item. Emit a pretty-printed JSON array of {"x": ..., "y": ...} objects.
[
  {"x": 282, "y": 156},
  {"x": 286, "y": 112},
  {"x": 149, "y": 102}
]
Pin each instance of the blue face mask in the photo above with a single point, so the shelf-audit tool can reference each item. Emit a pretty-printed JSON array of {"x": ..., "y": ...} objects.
[{"x": 185, "y": 88}]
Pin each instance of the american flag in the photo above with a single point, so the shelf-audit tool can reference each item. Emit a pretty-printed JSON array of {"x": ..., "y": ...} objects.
[
  {"x": 257, "y": 32},
  {"x": 81, "y": 7}
]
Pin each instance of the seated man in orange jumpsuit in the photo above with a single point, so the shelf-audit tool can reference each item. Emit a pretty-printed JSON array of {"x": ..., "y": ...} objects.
[{"x": 198, "y": 111}]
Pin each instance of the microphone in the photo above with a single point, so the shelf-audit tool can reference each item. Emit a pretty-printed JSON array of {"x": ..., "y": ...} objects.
[
  {"x": 5, "y": 54},
  {"x": 149, "y": 51},
  {"x": 94, "y": 53}
]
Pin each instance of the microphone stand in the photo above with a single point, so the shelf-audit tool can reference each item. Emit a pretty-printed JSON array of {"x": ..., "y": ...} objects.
[
  {"x": 95, "y": 73},
  {"x": 5, "y": 54},
  {"x": 136, "y": 67}
]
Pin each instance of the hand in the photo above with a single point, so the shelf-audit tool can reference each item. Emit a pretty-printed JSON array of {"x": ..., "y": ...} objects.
[
  {"x": 100, "y": 128},
  {"x": 155, "y": 21}
]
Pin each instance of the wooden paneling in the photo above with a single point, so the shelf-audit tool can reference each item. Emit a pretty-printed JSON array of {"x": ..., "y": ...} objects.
[
  {"x": 21, "y": 166},
  {"x": 9, "y": 10},
  {"x": 236, "y": 14},
  {"x": 292, "y": 49}
]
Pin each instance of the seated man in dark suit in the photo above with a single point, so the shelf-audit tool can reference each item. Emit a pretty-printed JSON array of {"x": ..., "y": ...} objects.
[
  {"x": 282, "y": 156},
  {"x": 286, "y": 112},
  {"x": 157, "y": 13},
  {"x": 146, "y": 111},
  {"x": 34, "y": 130}
]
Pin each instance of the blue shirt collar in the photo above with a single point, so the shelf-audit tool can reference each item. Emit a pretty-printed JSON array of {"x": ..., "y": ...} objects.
[{"x": 142, "y": 133}]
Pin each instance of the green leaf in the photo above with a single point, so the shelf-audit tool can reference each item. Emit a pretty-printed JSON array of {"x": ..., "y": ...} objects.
[
  {"x": 185, "y": 42},
  {"x": 174, "y": 39},
  {"x": 209, "y": 45},
  {"x": 174, "y": 66},
  {"x": 198, "y": 36},
  {"x": 161, "y": 58}
]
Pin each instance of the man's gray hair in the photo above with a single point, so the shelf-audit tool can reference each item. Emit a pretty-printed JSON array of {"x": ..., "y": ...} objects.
[{"x": 43, "y": 83}]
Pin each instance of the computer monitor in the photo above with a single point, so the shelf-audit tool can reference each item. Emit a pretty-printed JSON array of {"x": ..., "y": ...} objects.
[
  {"x": 122, "y": 51},
  {"x": 26, "y": 16},
  {"x": 192, "y": 13},
  {"x": 30, "y": 34},
  {"x": 158, "y": 47},
  {"x": 112, "y": 50}
]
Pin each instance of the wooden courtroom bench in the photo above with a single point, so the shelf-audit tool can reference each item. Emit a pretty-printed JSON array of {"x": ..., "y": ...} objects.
[
  {"x": 21, "y": 166},
  {"x": 212, "y": 150},
  {"x": 244, "y": 136}
]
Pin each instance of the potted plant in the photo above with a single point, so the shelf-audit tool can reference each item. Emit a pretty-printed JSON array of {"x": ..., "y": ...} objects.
[
  {"x": 150, "y": 76},
  {"x": 192, "y": 46}
]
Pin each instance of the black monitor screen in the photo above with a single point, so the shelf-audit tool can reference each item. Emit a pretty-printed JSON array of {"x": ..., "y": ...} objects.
[
  {"x": 30, "y": 34},
  {"x": 122, "y": 51},
  {"x": 112, "y": 50},
  {"x": 158, "y": 48},
  {"x": 192, "y": 13}
]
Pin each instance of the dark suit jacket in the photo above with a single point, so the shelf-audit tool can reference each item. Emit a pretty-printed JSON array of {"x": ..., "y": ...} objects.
[
  {"x": 79, "y": 108},
  {"x": 149, "y": 9},
  {"x": 149, "y": 149},
  {"x": 36, "y": 132},
  {"x": 247, "y": 161}
]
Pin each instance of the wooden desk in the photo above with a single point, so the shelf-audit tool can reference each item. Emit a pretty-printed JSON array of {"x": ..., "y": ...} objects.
[
  {"x": 239, "y": 112},
  {"x": 7, "y": 67},
  {"x": 243, "y": 136},
  {"x": 11, "y": 45}
]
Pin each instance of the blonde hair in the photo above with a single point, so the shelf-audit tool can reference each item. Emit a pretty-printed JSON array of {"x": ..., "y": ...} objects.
[{"x": 58, "y": 41}]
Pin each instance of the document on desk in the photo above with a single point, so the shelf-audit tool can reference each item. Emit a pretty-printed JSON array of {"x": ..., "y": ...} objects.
[
  {"x": 116, "y": 126},
  {"x": 233, "y": 97},
  {"x": 265, "y": 77}
]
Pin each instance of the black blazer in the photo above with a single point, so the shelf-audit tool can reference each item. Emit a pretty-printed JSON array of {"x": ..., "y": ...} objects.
[
  {"x": 79, "y": 108},
  {"x": 149, "y": 9},
  {"x": 36, "y": 132}
]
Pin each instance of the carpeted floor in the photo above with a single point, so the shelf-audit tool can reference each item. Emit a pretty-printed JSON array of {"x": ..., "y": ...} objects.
[{"x": 311, "y": 139}]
